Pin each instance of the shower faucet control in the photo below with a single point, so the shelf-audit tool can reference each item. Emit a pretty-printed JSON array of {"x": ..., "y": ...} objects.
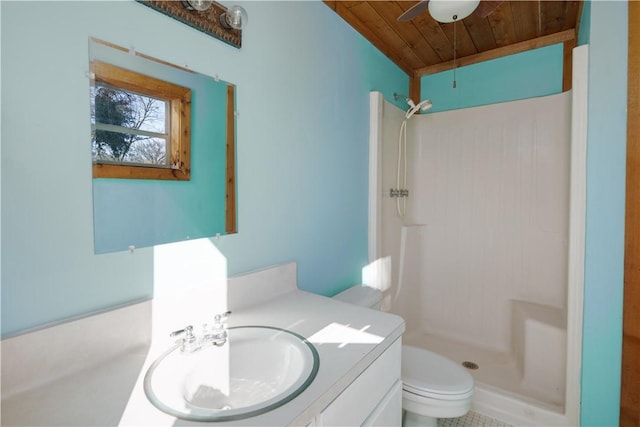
[{"x": 394, "y": 192}]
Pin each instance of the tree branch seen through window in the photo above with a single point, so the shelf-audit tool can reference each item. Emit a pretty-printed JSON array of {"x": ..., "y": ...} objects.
[{"x": 140, "y": 125}]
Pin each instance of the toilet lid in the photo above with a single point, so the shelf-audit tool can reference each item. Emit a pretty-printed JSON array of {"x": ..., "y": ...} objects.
[{"x": 427, "y": 372}]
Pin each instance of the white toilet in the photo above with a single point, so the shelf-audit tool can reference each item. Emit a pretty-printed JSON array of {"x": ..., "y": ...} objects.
[{"x": 432, "y": 386}]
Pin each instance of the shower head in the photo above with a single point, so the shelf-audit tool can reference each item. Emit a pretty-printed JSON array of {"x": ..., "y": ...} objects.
[
  {"x": 422, "y": 106},
  {"x": 413, "y": 108}
]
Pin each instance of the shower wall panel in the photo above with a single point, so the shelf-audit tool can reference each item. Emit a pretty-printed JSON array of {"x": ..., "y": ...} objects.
[{"x": 490, "y": 188}]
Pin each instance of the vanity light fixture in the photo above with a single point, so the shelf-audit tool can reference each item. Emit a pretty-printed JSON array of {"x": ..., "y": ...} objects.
[
  {"x": 208, "y": 16},
  {"x": 235, "y": 17}
]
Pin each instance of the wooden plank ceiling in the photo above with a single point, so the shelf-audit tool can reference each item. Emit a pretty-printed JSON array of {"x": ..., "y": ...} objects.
[{"x": 424, "y": 46}]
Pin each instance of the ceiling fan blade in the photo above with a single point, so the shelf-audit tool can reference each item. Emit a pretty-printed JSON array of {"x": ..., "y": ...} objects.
[
  {"x": 414, "y": 11},
  {"x": 486, "y": 7}
]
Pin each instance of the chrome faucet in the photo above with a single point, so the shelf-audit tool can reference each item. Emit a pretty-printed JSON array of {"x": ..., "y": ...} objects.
[{"x": 216, "y": 334}]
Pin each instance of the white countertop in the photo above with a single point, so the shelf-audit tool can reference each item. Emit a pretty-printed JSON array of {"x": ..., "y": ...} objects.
[{"x": 348, "y": 339}]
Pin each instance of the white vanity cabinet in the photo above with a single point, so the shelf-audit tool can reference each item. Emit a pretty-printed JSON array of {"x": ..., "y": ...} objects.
[{"x": 373, "y": 399}]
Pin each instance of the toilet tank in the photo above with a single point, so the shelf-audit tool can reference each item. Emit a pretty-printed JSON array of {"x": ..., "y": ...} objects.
[{"x": 361, "y": 295}]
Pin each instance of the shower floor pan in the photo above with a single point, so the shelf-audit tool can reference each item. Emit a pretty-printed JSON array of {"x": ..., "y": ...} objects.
[{"x": 497, "y": 372}]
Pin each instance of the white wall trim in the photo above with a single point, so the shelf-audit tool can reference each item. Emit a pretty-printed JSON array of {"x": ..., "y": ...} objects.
[
  {"x": 577, "y": 230},
  {"x": 376, "y": 105}
]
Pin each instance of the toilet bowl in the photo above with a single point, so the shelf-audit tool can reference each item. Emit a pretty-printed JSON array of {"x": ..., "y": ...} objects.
[{"x": 432, "y": 386}]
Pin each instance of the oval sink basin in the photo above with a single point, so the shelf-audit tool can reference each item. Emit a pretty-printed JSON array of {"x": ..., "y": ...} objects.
[{"x": 259, "y": 369}]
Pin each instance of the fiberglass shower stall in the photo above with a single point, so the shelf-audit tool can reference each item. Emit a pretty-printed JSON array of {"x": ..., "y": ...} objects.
[{"x": 486, "y": 264}]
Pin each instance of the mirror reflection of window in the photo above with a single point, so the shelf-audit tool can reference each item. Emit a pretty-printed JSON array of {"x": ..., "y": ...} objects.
[
  {"x": 137, "y": 123},
  {"x": 163, "y": 151}
]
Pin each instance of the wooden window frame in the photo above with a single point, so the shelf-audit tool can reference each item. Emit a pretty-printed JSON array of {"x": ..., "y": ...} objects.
[
  {"x": 179, "y": 99},
  {"x": 231, "y": 216}
]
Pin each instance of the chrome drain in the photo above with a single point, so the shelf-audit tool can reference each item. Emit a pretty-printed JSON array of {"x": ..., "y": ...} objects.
[{"x": 470, "y": 365}]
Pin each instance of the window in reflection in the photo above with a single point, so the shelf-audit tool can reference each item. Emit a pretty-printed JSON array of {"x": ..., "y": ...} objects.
[{"x": 140, "y": 125}]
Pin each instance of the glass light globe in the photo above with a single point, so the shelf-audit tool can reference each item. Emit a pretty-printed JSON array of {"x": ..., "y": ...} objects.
[
  {"x": 451, "y": 10},
  {"x": 199, "y": 5},
  {"x": 235, "y": 17}
]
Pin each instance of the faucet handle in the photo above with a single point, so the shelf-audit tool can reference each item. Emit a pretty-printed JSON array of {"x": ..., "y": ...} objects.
[
  {"x": 219, "y": 327},
  {"x": 187, "y": 332},
  {"x": 218, "y": 332},
  {"x": 189, "y": 342},
  {"x": 219, "y": 318}
]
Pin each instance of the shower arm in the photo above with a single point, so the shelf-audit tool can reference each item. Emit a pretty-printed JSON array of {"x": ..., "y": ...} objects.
[{"x": 405, "y": 98}]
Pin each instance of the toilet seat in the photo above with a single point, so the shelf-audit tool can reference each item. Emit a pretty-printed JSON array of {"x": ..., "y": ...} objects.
[{"x": 433, "y": 376}]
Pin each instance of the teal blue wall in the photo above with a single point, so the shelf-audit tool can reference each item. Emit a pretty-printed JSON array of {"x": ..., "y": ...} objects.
[
  {"x": 604, "y": 256},
  {"x": 585, "y": 23},
  {"x": 525, "y": 75},
  {"x": 303, "y": 79}
]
